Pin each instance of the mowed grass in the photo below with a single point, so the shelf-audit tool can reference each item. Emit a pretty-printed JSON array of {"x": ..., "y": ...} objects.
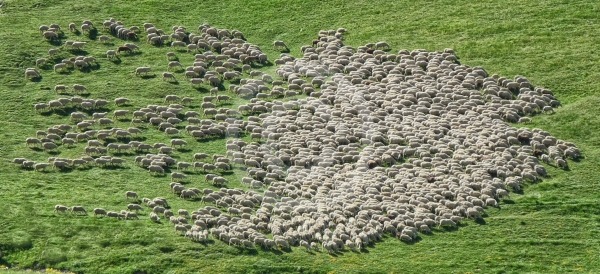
[{"x": 554, "y": 227}]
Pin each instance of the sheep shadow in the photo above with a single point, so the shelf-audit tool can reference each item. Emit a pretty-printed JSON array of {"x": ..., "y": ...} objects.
[
  {"x": 56, "y": 42},
  {"x": 114, "y": 167},
  {"x": 79, "y": 52},
  {"x": 148, "y": 76},
  {"x": 65, "y": 72},
  {"x": 116, "y": 61},
  {"x": 93, "y": 34},
  {"x": 480, "y": 221},
  {"x": 201, "y": 89},
  {"x": 36, "y": 79}
]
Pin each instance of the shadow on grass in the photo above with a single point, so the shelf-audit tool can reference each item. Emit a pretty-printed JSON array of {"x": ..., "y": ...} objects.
[
  {"x": 480, "y": 221},
  {"x": 148, "y": 76},
  {"x": 36, "y": 79},
  {"x": 79, "y": 52},
  {"x": 93, "y": 34},
  {"x": 201, "y": 89}
]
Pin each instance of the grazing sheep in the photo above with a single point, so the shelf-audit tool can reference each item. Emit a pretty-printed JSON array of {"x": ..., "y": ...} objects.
[
  {"x": 178, "y": 143},
  {"x": 280, "y": 45},
  {"x": 124, "y": 49},
  {"x": 131, "y": 194},
  {"x": 168, "y": 76},
  {"x": 142, "y": 70},
  {"x": 61, "y": 208},
  {"x": 154, "y": 217},
  {"x": 121, "y": 101},
  {"x": 31, "y": 73},
  {"x": 174, "y": 64},
  {"x": 382, "y": 45},
  {"x": 77, "y": 88},
  {"x": 111, "y": 54},
  {"x": 134, "y": 207},
  {"x": 99, "y": 211},
  {"x": 78, "y": 210}
]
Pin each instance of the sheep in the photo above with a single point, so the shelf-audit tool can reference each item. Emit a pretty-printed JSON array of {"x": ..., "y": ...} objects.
[
  {"x": 142, "y": 70},
  {"x": 78, "y": 45},
  {"x": 178, "y": 143},
  {"x": 78, "y": 88},
  {"x": 40, "y": 166},
  {"x": 167, "y": 76},
  {"x": 61, "y": 208},
  {"x": 78, "y": 210},
  {"x": 279, "y": 45},
  {"x": 99, "y": 211},
  {"x": 32, "y": 73},
  {"x": 121, "y": 101},
  {"x": 174, "y": 64},
  {"x": 131, "y": 194},
  {"x": 131, "y": 215},
  {"x": 134, "y": 207},
  {"x": 119, "y": 113},
  {"x": 382, "y": 45},
  {"x": 156, "y": 169},
  {"x": 154, "y": 217},
  {"x": 172, "y": 98}
]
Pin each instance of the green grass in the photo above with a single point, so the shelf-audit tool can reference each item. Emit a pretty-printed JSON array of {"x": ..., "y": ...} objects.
[{"x": 554, "y": 227}]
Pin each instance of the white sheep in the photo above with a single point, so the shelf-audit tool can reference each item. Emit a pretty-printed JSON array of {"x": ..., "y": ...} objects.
[
  {"x": 168, "y": 76},
  {"x": 111, "y": 54},
  {"x": 131, "y": 194},
  {"x": 31, "y": 73},
  {"x": 142, "y": 70},
  {"x": 154, "y": 217},
  {"x": 178, "y": 143},
  {"x": 174, "y": 64},
  {"x": 121, "y": 101}
]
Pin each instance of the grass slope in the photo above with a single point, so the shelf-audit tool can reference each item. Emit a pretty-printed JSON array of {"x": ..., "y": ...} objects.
[{"x": 554, "y": 227}]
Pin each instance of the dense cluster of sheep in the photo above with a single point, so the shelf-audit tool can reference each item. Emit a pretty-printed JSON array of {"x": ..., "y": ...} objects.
[{"x": 385, "y": 143}]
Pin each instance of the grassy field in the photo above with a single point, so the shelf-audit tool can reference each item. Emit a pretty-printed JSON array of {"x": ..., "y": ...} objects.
[{"x": 554, "y": 227}]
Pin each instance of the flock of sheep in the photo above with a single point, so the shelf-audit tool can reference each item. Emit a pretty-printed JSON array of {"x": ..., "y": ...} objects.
[{"x": 381, "y": 143}]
